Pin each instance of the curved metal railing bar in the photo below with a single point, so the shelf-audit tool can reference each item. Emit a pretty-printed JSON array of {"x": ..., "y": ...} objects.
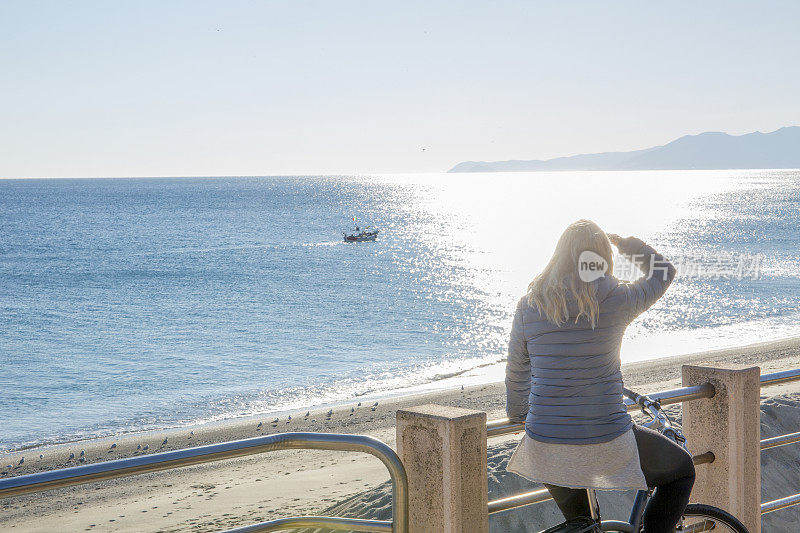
[{"x": 77, "y": 475}]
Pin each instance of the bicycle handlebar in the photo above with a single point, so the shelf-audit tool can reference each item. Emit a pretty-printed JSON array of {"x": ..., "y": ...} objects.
[
  {"x": 632, "y": 396},
  {"x": 653, "y": 408},
  {"x": 643, "y": 400}
]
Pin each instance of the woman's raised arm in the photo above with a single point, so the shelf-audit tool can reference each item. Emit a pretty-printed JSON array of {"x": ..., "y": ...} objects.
[{"x": 658, "y": 274}]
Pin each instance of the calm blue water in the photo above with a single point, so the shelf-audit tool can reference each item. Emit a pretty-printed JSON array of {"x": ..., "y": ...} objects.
[{"x": 128, "y": 304}]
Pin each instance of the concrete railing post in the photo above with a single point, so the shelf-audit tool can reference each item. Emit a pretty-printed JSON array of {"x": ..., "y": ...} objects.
[
  {"x": 727, "y": 425},
  {"x": 444, "y": 452}
]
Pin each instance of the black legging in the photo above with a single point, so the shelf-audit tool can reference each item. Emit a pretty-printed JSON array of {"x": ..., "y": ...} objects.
[{"x": 665, "y": 465}]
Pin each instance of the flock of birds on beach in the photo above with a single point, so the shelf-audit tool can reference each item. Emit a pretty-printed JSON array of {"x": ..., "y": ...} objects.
[
  {"x": 145, "y": 447},
  {"x": 328, "y": 415}
]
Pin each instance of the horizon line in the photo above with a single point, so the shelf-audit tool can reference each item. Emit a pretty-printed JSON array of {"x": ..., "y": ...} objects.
[{"x": 352, "y": 174}]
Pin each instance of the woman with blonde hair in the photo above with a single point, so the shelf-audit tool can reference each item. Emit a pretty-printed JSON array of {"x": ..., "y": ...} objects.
[{"x": 563, "y": 378}]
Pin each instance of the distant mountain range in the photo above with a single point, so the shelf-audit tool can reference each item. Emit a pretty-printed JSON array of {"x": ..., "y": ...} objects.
[{"x": 710, "y": 150}]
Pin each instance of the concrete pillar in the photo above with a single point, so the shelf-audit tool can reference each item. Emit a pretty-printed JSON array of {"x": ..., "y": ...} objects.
[
  {"x": 727, "y": 425},
  {"x": 444, "y": 452}
]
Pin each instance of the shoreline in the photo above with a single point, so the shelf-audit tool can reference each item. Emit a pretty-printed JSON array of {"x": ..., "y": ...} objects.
[
  {"x": 402, "y": 396},
  {"x": 246, "y": 490}
]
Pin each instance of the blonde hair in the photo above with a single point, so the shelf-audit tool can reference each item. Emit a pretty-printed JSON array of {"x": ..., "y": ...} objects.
[{"x": 549, "y": 290}]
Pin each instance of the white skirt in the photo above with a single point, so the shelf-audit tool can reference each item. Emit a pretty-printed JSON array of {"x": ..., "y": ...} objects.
[{"x": 612, "y": 465}]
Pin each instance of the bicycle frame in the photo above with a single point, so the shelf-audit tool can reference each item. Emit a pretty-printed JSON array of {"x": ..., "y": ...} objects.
[
  {"x": 634, "y": 522},
  {"x": 637, "y": 510}
]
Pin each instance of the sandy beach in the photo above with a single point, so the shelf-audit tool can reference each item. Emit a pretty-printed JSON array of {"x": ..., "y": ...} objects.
[{"x": 247, "y": 490}]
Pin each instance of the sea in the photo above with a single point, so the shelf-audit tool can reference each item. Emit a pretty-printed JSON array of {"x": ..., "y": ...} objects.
[{"x": 136, "y": 304}]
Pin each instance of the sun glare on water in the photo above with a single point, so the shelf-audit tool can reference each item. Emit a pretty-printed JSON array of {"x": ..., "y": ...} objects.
[{"x": 505, "y": 226}]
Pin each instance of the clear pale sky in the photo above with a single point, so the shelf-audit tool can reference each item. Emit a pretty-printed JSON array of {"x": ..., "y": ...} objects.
[{"x": 169, "y": 88}]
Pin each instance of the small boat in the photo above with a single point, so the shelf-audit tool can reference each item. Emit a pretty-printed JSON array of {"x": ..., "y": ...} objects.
[{"x": 361, "y": 235}]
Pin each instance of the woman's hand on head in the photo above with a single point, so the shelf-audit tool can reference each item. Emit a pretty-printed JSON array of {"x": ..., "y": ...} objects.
[{"x": 614, "y": 238}]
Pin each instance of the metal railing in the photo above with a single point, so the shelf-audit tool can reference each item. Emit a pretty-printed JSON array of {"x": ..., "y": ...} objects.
[
  {"x": 504, "y": 426},
  {"x": 778, "y": 378},
  {"x": 67, "y": 477},
  {"x": 782, "y": 503}
]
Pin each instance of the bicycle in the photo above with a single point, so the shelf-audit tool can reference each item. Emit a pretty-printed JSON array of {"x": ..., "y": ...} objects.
[{"x": 697, "y": 517}]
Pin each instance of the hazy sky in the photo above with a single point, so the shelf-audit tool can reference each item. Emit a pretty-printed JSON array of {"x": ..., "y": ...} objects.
[{"x": 159, "y": 88}]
